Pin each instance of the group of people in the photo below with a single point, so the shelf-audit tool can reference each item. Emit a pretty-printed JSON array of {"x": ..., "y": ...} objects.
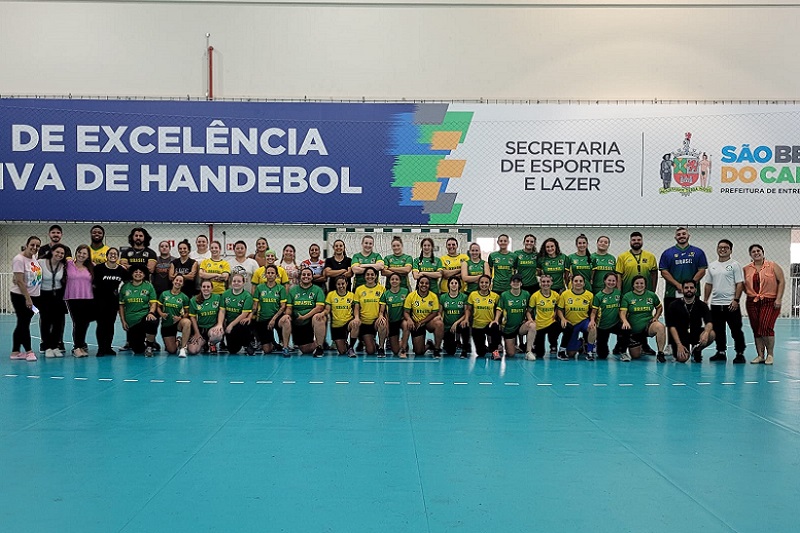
[{"x": 538, "y": 302}]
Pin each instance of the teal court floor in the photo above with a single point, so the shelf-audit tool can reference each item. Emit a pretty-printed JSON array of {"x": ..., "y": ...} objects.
[{"x": 240, "y": 444}]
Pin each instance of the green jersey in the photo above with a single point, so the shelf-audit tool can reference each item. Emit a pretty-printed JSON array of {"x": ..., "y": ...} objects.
[
  {"x": 514, "y": 308},
  {"x": 526, "y": 265},
  {"x": 601, "y": 264},
  {"x": 394, "y": 304},
  {"x": 137, "y": 300},
  {"x": 554, "y": 267},
  {"x": 452, "y": 308},
  {"x": 426, "y": 265},
  {"x": 361, "y": 259},
  {"x": 580, "y": 264},
  {"x": 640, "y": 309},
  {"x": 269, "y": 300},
  {"x": 398, "y": 261},
  {"x": 474, "y": 269},
  {"x": 206, "y": 312},
  {"x": 502, "y": 266},
  {"x": 173, "y": 305},
  {"x": 607, "y": 306},
  {"x": 304, "y": 300},
  {"x": 236, "y": 304}
]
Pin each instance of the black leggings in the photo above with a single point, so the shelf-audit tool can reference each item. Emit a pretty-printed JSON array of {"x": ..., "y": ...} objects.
[
  {"x": 449, "y": 340},
  {"x": 137, "y": 332},
  {"x": 106, "y": 315},
  {"x": 22, "y": 332},
  {"x": 51, "y": 318},
  {"x": 82, "y": 313},
  {"x": 239, "y": 337},
  {"x": 550, "y": 333},
  {"x": 479, "y": 337}
]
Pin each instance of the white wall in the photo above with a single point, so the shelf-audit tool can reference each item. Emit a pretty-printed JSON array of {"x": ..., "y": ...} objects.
[{"x": 467, "y": 50}]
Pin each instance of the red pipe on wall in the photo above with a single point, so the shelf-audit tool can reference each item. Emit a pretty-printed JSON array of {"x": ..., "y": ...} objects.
[{"x": 210, "y": 73}]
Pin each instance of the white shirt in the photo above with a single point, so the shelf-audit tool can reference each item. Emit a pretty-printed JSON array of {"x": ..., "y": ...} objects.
[
  {"x": 723, "y": 277},
  {"x": 247, "y": 268}
]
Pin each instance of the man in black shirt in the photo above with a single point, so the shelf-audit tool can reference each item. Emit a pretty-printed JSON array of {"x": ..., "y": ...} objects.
[
  {"x": 139, "y": 251},
  {"x": 690, "y": 327},
  {"x": 55, "y": 232}
]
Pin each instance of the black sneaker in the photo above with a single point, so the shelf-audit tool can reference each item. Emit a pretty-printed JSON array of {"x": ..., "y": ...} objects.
[
  {"x": 318, "y": 351},
  {"x": 719, "y": 356},
  {"x": 661, "y": 357},
  {"x": 697, "y": 355},
  {"x": 429, "y": 345},
  {"x": 437, "y": 353},
  {"x": 381, "y": 352},
  {"x": 249, "y": 350},
  {"x": 739, "y": 359}
]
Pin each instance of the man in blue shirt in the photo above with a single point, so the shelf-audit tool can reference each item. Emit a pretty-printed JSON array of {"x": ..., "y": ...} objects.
[{"x": 682, "y": 262}]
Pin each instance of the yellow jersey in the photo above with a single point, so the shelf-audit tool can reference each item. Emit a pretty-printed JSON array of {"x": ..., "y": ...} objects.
[
  {"x": 216, "y": 267},
  {"x": 483, "y": 308},
  {"x": 369, "y": 302},
  {"x": 341, "y": 308},
  {"x": 419, "y": 307},
  {"x": 544, "y": 308}
]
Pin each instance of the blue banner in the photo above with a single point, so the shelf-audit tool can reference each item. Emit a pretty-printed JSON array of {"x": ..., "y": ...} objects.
[{"x": 171, "y": 161}]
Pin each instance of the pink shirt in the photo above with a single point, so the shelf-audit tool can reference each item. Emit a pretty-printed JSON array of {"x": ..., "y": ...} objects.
[{"x": 79, "y": 283}]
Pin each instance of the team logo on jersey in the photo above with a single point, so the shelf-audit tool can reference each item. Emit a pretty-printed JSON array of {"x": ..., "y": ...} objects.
[{"x": 685, "y": 170}]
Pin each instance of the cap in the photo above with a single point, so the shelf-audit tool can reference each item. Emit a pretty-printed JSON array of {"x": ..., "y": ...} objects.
[{"x": 516, "y": 277}]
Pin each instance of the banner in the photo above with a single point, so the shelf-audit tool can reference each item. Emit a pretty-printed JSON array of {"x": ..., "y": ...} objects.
[{"x": 398, "y": 164}]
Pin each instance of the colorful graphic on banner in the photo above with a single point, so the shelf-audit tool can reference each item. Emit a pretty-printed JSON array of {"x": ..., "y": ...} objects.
[{"x": 686, "y": 167}]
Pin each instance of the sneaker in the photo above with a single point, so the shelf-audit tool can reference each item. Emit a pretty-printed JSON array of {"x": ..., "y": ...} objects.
[
  {"x": 318, "y": 351},
  {"x": 530, "y": 356},
  {"x": 249, "y": 350},
  {"x": 286, "y": 352},
  {"x": 58, "y": 353},
  {"x": 381, "y": 353},
  {"x": 591, "y": 356},
  {"x": 351, "y": 352},
  {"x": 697, "y": 355},
  {"x": 767, "y": 361},
  {"x": 30, "y": 356},
  {"x": 182, "y": 353},
  {"x": 739, "y": 359},
  {"x": 661, "y": 357},
  {"x": 148, "y": 352},
  {"x": 495, "y": 355},
  {"x": 212, "y": 349},
  {"x": 757, "y": 361},
  {"x": 156, "y": 346},
  {"x": 78, "y": 353},
  {"x": 49, "y": 354},
  {"x": 719, "y": 356},
  {"x": 625, "y": 357},
  {"x": 562, "y": 356},
  {"x": 437, "y": 353},
  {"x": 429, "y": 345}
]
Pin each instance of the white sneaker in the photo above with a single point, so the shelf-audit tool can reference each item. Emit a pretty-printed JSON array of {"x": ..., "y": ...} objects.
[
  {"x": 530, "y": 356},
  {"x": 57, "y": 353},
  {"x": 182, "y": 352},
  {"x": 626, "y": 357},
  {"x": 49, "y": 353}
]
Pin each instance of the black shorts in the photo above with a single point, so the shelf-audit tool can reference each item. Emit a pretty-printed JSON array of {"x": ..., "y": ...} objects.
[
  {"x": 340, "y": 333},
  {"x": 366, "y": 329},
  {"x": 303, "y": 333},
  {"x": 170, "y": 330},
  {"x": 510, "y": 334},
  {"x": 638, "y": 338},
  {"x": 395, "y": 328},
  {"x": 265, "y": 334},
  {"x": 420, "y": 331}
]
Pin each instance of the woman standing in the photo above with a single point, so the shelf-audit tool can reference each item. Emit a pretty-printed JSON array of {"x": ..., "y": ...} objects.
[
  {"x": 454, "y": 315},
  {"x": 160, "y": 278},
  {"x": 526, "y": 264},
  {"x": 204, "y": 312},
  {"x": 25, "y": 296},
  {"x": 235, "y": 312},
  {"x": 316, "y": 264},
  {"x": 51, "y": 300},
  {"x": 367, "y": 257},
  {"x": 79, "y": 296},
  {"x": 398, "y": 262},
  {"x": 137, "y": 310},
  {"x": 391, "y": 321},
  {"x": 215, "y": 269},
  {"x": 185, "y": 266},
  {"x": 338, "y": 265},
  {"x": 553, "y": 263},
  {"x": 289, "y": 264},
  {"x": 581, "y": 261},
  {"x": 481, "y": 311},
  {"x": 473, "y": 268},
  {"x": 502, "y": 264},
  {"x": 261, "y": 247},
  {"x": 173, "y": 308},
  {"x": 764, "y": 284},
  {"x": 427, "y": 265},
  {"x": 108, "y": 278},
  {"x": 269, "y": 300}
]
